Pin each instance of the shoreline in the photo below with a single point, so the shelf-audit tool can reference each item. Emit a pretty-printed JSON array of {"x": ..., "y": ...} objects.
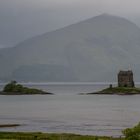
[
  {"x": 18, "y": 93},
  {"x": 9, "y": 125},
  {"x": 119, "y": 94},
  {"x": 117, "y": 91},
  {"x": 54, "y": 136}
]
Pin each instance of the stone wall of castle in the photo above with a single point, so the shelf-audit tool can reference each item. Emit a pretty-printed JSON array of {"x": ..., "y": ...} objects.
[{"x": 125, "y": 79}]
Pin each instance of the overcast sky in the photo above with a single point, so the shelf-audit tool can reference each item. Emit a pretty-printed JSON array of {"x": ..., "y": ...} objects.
[{"x": 22, "y": 19}]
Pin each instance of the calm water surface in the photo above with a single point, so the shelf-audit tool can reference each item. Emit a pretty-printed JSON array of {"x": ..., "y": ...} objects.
[{"x": 68, "y": 112}]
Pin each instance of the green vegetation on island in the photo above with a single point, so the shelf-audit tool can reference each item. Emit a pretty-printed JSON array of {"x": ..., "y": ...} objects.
[
  {"x": 126, "y": 85},
  {"x": 119, "y": 91},
  {"x": 13, "y": 88}
]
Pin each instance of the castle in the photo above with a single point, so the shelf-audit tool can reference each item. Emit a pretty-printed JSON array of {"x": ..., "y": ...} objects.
[{"x": 125, "y": 79}]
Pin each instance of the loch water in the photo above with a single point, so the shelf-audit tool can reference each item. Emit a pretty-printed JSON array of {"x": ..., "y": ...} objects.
[{"x": 68, "y": 112}]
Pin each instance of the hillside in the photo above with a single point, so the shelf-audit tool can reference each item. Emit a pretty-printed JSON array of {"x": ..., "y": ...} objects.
[{"x": 91, "y": 50}]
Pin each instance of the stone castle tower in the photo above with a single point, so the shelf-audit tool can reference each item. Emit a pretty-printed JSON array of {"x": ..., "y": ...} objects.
[{"x": 125, "y": 79}]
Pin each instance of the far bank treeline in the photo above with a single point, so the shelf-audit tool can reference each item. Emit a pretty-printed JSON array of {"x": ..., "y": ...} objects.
[{"x": 13, "y": 88}]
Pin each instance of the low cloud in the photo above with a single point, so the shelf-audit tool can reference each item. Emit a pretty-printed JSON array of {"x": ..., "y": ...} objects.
[{"x": 23, "y": 19}]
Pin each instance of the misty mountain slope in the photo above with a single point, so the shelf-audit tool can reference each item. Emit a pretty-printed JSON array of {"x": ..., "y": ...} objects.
[{"x": 91, "y": 50}]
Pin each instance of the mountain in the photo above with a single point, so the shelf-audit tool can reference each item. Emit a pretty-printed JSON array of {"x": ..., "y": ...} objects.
[{"x": 91, "y": 50}]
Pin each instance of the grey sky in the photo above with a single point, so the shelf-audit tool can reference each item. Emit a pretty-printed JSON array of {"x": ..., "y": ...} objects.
[{"x": 21, "y": 19}]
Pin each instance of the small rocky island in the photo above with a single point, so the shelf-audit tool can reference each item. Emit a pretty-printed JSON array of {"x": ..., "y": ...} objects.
[
  {"x": 13, "y": 88},
  {"x": 118, "y": 91},
  {"x": 126, "y": 85}
]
